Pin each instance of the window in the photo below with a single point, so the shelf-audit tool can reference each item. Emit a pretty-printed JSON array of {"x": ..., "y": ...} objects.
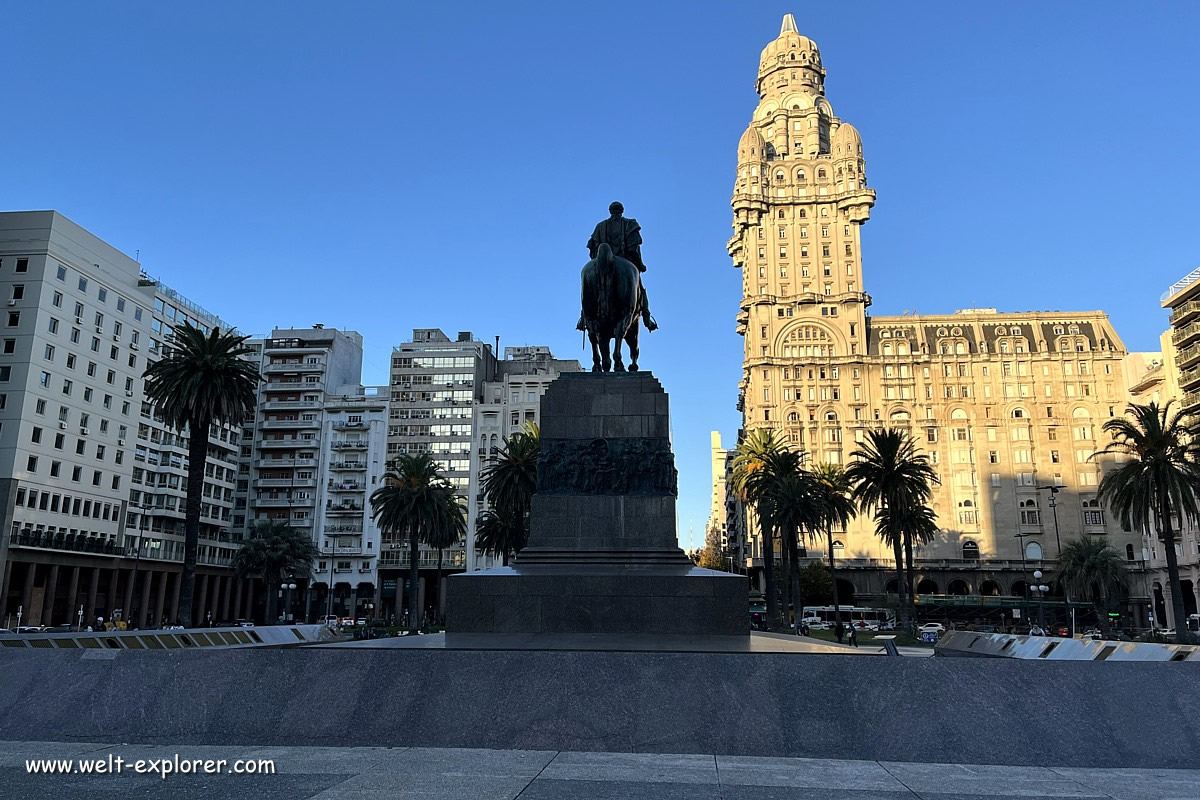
[
  {"x": 14, "y": 319},
  {"x": 102, "y": 294},
  {"x": 970, "y": 550},
  {"x": 49, "y": 353},
  {"x": 31, "y": 464},
  {"x": 1030, "y": 514},
  {"x": 53, "y": 325},
  {"x": 22, "y": 265},
  {"x": 44, "y": 380},
  {"x": 83, "y": 284},
  {"x": 62, "y": 273},
  {"x": 1033, "y": 551}
]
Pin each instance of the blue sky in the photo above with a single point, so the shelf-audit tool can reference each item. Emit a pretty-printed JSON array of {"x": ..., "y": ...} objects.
[{"x": 383, "y": 165}]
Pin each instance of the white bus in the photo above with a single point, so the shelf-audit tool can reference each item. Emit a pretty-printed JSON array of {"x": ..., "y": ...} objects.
[{"x": 871, "y": 619}]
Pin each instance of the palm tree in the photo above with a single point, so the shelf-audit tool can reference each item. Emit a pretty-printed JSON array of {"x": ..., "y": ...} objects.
[
  {"x": 273, "y": 550},
  {"x": 913, "y": 523},
  {"x": 890, "y": 473},
  {"x": 412, "y": 503},
  {"x": 1158, "y": 480},
  {"x": 1092, "y": 568},
  {"x": 836, "y": 510},
  {"x": 796, "y": 511},
  {"x": 509, "y": 485},
  {"x": 751, "y": 481},
  {"x": 498, "y": 535},
  {"x": 449, "y": 527},
  {"x": 204, "y": 380}
]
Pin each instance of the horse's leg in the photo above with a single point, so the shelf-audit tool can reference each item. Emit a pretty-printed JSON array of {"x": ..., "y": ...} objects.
[
  {"x": 631, "y": 339},
  {"x": 604, "y": 354},
  {"x": 618, "y": 364},
  {"x": 595, "y": 353}
]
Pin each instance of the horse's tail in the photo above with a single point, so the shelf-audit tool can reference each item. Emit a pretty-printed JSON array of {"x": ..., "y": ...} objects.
[{"x": 605, "y": 273}]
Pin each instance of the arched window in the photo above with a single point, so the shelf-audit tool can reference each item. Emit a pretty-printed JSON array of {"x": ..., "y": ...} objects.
[
  {"x": 1030, "y": 514},
  {"x": 779, "y": 175},
  {"x": 900, "y": 417},
  {"x": 793, "y": 416},
  {"x": 960, "y": 348},
  {"x": 837, "y": 545},
  {"x": 1004, "y": 345},
  {"x": 958, "y": 413},
  {"x": 1019, "y": 413},
  {"x": 901, "y": 348},
  {"x": 831, "y": 416},
  {"x": 800, "y": 176},
  {"x": 970, "y": 550},
  {"x": 1033, "y": 551},
  {"x": 887, "y": 348},
  {"x": 1081, "y": 413},
  {"x": 821, "y": 175},
  {"x": 1015, "y": 331},
  {"x": 944, "y": 348}
]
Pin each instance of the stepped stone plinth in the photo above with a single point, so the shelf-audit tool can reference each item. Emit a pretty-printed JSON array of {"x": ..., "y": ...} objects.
[{"x": 603, "y": 556}]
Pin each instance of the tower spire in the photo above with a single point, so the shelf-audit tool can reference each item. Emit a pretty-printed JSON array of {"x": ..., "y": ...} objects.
[{"x": 789, "y": 25}]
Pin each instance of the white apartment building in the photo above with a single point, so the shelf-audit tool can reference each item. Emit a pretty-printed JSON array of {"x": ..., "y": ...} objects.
[
  {"x": 93, "y": 480},
  {"x": 506, "y": 405}
]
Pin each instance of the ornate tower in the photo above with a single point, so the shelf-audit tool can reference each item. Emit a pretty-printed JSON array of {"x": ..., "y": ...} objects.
[{"x": 798, "y": 203}]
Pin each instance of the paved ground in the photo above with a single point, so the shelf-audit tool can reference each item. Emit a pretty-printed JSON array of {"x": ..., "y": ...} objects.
[
  {"x": 363, "y": 773},
  {"x": 757, "y": 642}
]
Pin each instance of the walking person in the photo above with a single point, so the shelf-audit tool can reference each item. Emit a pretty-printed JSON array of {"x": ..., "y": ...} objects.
[
  {"x": 839, "y": 631},
  {"x": 853, "y": 636}
]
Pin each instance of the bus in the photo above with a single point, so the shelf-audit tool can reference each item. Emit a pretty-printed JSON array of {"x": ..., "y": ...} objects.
[{"x": 871, "y": 619}]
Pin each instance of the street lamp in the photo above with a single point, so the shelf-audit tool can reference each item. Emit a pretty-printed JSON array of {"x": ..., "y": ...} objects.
[
  {"x": 1024, "y": 569},
  {"x": 1054, "y": 490},
  {"x": 1041, "y": 589},
  {"x": 288, "y": 587}
]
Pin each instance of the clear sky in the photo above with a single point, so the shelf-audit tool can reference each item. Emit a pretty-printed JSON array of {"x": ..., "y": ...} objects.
[{"x": 389, "y": 165}]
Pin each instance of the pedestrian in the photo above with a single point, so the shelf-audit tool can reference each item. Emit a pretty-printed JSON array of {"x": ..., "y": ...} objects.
[
  {"x": 853, "y": 636},
  {"x": 839, "y": 631}
]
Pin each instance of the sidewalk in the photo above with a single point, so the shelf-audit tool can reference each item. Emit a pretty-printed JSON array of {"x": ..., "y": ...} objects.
[{"x": 366, "y": 773}]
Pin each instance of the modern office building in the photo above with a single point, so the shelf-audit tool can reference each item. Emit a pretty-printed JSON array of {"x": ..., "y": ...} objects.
[
  {"x": 436, "y": 383},
  {"x": 93, "y": 482},
  {"x": 506, "y": 406},
  {"x": 1007, "y": 405}
]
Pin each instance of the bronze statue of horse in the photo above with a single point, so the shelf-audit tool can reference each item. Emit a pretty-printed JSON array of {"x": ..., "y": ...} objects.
[{"x": 611, "y": 308}]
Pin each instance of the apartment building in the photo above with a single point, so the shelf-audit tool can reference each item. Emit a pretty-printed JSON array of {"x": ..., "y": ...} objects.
[
  {"x": 506, "y": 405},
  {"x": 93, "y": 480}
]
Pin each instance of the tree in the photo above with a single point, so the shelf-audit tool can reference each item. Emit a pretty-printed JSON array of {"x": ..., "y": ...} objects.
[
  {"x": 509, "y": 485},
  {"x": 413, "y": 503},
  {"x": 796, "y": 512},
  {"x": 813, "y": 583},
  {"x": 448, "y": 528},
  {"x": 1157, "y": 483},
  {"x": 1092, "y": 568},
  {"x": 713, "y": 556},
  {"x": 203, "y": 380},
  {"x": 890, "y": 473},
  {"x": 751, "y": 480},
  {"x": 273, "y": 551},
  {"x": 836, "y": 509}
]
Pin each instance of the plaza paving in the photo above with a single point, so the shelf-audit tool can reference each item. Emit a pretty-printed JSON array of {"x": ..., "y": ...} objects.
[{"x": 333, "y": 773}]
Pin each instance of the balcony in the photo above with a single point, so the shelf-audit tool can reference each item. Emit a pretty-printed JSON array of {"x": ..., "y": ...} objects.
[
  {"x": 357, "y": 550},
  {"x": 288, "y": 424},
  {"x": 285, "y": 443},
  {"x": 344, "y": 508},
  {"x": 286, "y": 482},
  {"x": 347, "y": 444},
  {"x": 1190, "y": 400},
  {"x": 285, "y": 367},
  {"x": 1189, "y": 378},
  {"x": 353, "y": 529},
  {"x": 270, "y": 463},
  {"x": 427, "y": 560},
  {"x": 288, "y": 404},
  {"x": 348, "y": 466},
  {"x": 346, "y": 486},
  {"x": 1187, "y": 355},
  {"x": 276, "y": 502},
  {"x": 293, "y": 386},
  {"x": 1185, "y": 313},
  {"x": 64, "y": 541},
  {"x": 342, "y": 425},
  {"x": 1186, "y": 334}
]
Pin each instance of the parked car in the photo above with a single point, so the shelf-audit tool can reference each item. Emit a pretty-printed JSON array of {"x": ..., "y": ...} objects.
[
  {"x": 30, "y": 629},
  {"x": 330, "y": 619},
  {"x": 244, "y": 623},
  {"x": 889, "y": 625},
  {"x": 1094, "y": 634},
  {"x": 1118, "y": 636},
  {"x": 932, "y": 627}
]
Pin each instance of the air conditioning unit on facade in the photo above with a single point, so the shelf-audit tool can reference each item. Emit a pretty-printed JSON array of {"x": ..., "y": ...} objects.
[
  {"x": 99, "y": 329},
  {"x": 133, "y": 345},
  {"x": 79, "y": 320},
  {"x": 12, "y": 302},
  {"x": 83, "y": 431},
  {"x": 116, "y": 337},
  {"x": 121, "y": 442},
  {"x": 128, "y": 393},
  {"x": 62, "y": 426}
]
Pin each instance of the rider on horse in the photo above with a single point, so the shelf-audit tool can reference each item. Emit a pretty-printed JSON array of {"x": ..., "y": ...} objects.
[{"x": 624, "y": 236}]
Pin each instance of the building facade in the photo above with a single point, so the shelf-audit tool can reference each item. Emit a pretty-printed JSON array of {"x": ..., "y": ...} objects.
[
  {"x": 507, "y": 404},
  {"x": 1006, "y": 405},
  {"x": 436, "y": 383},
  {"x": 93, "y": 480}
]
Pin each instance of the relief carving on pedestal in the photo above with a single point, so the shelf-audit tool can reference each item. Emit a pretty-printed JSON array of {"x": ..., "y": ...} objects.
[{"x": 602, "y": 466}]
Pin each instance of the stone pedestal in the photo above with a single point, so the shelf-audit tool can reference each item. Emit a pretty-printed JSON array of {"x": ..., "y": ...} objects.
[{"x": 603, "y": 556}]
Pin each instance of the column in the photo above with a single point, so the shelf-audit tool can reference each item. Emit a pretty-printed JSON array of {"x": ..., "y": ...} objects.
[
  {"x": 4, "y": 586},
  {"x": 177, "y": 582},
  {"x": 27, "y": 591},
  {"x": 111, "y": 600},
  {"x": 214, "y": 601},
  {"x": 378, "y": 597},
  {"x": 73, "y": 598},
  {"x": 398, "y": 601},
  {"x": 354, "y": 602},
  {"x": 160, "y": 600},
  {"x": 198, "y": 608},
  {"x": 143, "y": 614},
  {"x": 127, "y": 603},
  {"x": 48, "y": 597},
  {"x": 420, "y": 609},
  {"x": 238, "y": 590},
  {"x": 229, "y": 580},
  {"x": 89, "y": 613},
  {"x": 250, "y": 588}
]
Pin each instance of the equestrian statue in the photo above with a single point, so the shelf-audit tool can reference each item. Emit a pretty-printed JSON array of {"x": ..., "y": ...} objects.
[{"x": 613, "y": 295}]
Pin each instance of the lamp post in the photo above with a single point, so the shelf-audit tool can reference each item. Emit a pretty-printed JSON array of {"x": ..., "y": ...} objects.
[
  {"x": 1024, "y": 571},
  {"x": 1041, "y": 589},
  {"x": 1054, "y": 490},
  {"x": 288, "y": 587},
  {"x": 136, "y": 562}
]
